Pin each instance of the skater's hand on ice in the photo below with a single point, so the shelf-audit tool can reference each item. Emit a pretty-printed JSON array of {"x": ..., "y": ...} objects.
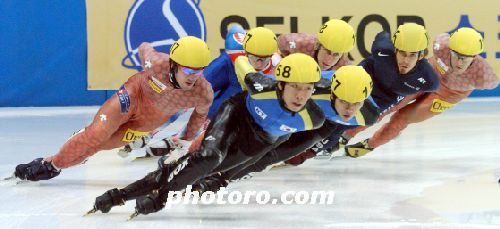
[
  {"x": 150, "y": 203},
  {"x": 109, "y": 199},
  {"x": 37, "y": 170}
]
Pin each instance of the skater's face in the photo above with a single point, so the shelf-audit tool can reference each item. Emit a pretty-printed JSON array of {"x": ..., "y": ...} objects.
[
  {"x": 186, "y": 77},
  {"x": 295, "y": 95},
  {"x": 347, "y": 110},
  {"x": 327, "y": 59},
  {"x": 460, "y": 62},
  {"x": 407, "y": 60},
  {"x": 259, "y": 62}
]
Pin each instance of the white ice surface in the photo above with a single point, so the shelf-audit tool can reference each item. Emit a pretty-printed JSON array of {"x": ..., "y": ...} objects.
[{"x": 442, "y": 173}]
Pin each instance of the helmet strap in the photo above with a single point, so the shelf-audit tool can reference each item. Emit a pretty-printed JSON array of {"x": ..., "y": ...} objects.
[
  {"x": 422, "y": 54},
  {"x": 332, "y": 102},
  {"x": 316, "y": 51},
  {"x": 281, "y": 84},
  {"x": 173, "y": 70}
]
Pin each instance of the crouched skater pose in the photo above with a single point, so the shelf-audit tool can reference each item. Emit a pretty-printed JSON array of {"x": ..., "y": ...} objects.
[
  {"x": 245, "y": 128},
  {"x": 146, "y": 101}
]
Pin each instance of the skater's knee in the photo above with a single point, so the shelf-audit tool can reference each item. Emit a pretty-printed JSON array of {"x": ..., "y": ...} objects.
[{"x": 209, "y": 157}]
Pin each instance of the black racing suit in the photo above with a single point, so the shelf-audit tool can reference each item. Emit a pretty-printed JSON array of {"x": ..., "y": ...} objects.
[
  {"x": 301, "y": 141},
  {"x": 232, "y": 138}
]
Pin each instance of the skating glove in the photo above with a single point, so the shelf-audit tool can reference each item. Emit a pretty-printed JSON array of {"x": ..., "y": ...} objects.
[
  {"x": 359, "y": 149},
  {"x": 150, "y": 203},
  {"x": 211, "y": 183},
  {"x": 109, "y": 199},
  {"x": 36, "y": 170}
]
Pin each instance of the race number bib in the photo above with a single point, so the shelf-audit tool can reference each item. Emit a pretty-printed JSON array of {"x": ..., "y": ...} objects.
[
  {"x": 438, "y": 106},
  {"x": 132, "y": 135}
]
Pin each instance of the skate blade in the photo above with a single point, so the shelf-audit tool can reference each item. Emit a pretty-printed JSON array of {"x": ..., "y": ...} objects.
[
  {"x": 144, "y": 158},
  {"x": 12, "y": 180},
  {"x": 132, "y": 216},
  {"x": 323, "y": 157},
  {"x": 337, "y": 155},
  {"x": 280, "y": 166},
  {"x": 123, "y": 153},
  {"x": 92, "y": 211},
  {"x": 139, "y": 155},
  {"x": 11, "y": 177}
]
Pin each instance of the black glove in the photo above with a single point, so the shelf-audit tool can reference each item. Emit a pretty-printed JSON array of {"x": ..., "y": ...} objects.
[
  {"x": 109, "y": 199},
  {"x": 211, "y": 183},
  {"x": 150, "y": 203},
  {"x": 36, "y": 170}
]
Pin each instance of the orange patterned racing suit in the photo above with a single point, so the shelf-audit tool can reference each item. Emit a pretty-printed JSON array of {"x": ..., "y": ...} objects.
[{"x": 146, "y": 101}]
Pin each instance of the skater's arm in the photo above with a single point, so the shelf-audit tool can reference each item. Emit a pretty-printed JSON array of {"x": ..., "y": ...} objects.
[
  {"x": 297, "y": 43},
  {"x": 153, "y": 62},
  {"x": 485, "y": 76},
  {"x": 258, "y": 83},
  {"x": 199, "y": 115},
  {"x": 217, "y": 74}
]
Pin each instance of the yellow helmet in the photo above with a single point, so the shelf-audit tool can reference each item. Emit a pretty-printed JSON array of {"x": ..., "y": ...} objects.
[
  {"x": 410, "y": 37},
  {"x": 260, "y": 41},
  {"x": 298, "y": 68},
  {"x": 466, "y": 41},
  {"x": 352, "y": 84},
  {"x": 190, "y": 52},
  {"x": 337, "y": 36}
]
